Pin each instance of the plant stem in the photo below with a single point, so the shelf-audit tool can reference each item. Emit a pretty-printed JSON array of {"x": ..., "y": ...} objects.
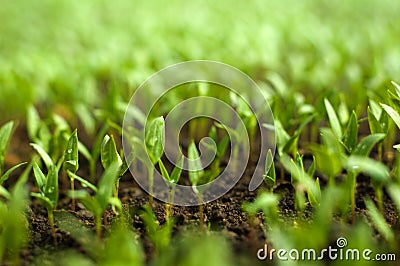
[
  {"x": 73, "y": 194},
  {"x": 201, "y": 211},
  {"x": 50, "y": 214},
  {"x": 116, "y": 187},
  {"x": 353, "y": 185},
  {"x": 379, "y": 198}
]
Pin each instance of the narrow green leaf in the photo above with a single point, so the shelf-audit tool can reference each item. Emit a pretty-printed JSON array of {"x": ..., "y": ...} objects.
[
  {"x": 51, "y": 188},
  {"x": 155, "y": 139},
  {"x": 270, "y": 174},
  {"x": 5, "y": 136},
  {"x": 33, "y": 122},
  {"x": 314, "y": 194},
  {"x": 40, "y": 178},
  {"x": 392, "y": 113},
  {"x": 7, "y": 174},
  {"x": 333, "y": 119},
  {"x": 374, "y": 125},
  {"x": 43, "y": 154},
  {"x": 83, "y": 181},
  {"x": 109, "y": 153},
  {"x": 397, "y": 87},
  {"x": 222, "y": 146},
  {"x": 365, "y": 146},
  {"x": 312, "y": 167},
  {"x": 4, "y": 193},
  {"x": 378, "y": 171},
  {"x": 379, "y": 221},
  {"x": 176, "y": 173},
  {"x": 71, "y": 159},
  {"x": 397, "y": 147},
  {"x": 43, "y": 200},
  {"x": 394, "y": 192},
  {"x": 196, "y": 171},
  {"x": 351, "y": 134},
  {"x": 164, "y": 171},
  {"x": 106, "y": 184}
]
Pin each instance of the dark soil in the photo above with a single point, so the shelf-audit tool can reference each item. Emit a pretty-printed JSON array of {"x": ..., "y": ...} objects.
[{"x": 224, "y": 215}]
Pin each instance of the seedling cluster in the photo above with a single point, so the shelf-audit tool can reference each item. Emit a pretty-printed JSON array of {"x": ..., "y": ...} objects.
[{"x": 68, "y": 70}]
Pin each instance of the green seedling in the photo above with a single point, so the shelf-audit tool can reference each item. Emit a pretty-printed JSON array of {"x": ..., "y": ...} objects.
[
  {"x": 198, "y": 177},
  {"x": 14, "y": 226},
  {"x": 159, "y": 235},
  {"x": 71, "y": 162},
  {"x": 301, "y": 181},
  {"x": 5, "y": 136},
  {"x": 98, "y": 203},
  {"x": 155, "y": 147},
  {"x": 171, "y": 181},
  {"x": 47, "y": 185},
  {"x": 270, "y": 174},
  {"x": 222, "y": 146},
  {"x": 110, "y": 155}
]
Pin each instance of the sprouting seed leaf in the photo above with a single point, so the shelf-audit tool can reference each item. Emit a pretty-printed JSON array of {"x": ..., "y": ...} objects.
[
  {"x": 314, "y": 194},
  {"x": 155, "y": 139},
  {"x": 40, "y": 178},
  {"x": 333, "y": 119},
  {"x": 46, "y": 158},
  {"x": 312, "y": 167},
  {"x": 378, "y": 171},
  {"x": 176, "y": 173},
  {"x": 374, "y": 125},
  {"x": 71, "y": 160},
  {"x": 164, "y": 171},
  {"x": 33, "y": 122},
  {"x": 109, "y": 153},
  {"x": 5, "y": 136},
  {"x": 392, "y": 113},
  {"x": 196, "y": 171},
  {"x": 106, "y": 184},
  {"x": 270, "y": 174},
  {"x": 83, "y": 181},
  {"x": 291, "y": 144},
  {"x": 281, "y": 135},
  {"x": 379, "y": 221},
  {"x": 365, "y": 146},
  {"x": 7, "y": 174},
  {"x": 4, "y": 193},
  {"x": 397, "y": 87},
  {"x": 351, "y": 134},
  {"x": 45, "y": 201},
  {"x": 51, "y": 188}
]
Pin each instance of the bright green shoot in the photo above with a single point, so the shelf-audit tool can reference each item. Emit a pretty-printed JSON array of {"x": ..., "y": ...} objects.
[
  {"x": 198, "y": 177},
  {"x": 47, "y": 185},
  {"x": 270, "y": 174},
  {"x": 98, "y": 203},
  {"x": 5, "y": 136},
  {"x": 110, "y": 155},
  {"x": 155, "y": 148},
  {"x": 71, "y": 161}
]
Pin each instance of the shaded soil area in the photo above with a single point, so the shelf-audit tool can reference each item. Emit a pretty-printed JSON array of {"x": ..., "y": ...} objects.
[{"x": 224, "y": 215}]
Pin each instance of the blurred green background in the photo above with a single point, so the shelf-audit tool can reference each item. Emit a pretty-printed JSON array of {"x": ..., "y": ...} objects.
[{"x": 68, "y": 55}]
